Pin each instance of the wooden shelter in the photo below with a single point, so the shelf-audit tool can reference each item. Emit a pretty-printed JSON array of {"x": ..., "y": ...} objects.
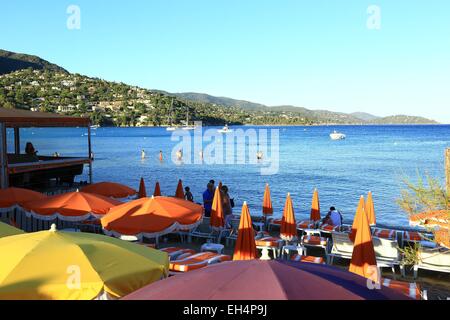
[{"x": 18, "y": 169}]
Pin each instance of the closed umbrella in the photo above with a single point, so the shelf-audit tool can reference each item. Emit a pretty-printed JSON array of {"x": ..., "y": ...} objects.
[
  {"x": 265, "y": 280},
  {"x": 267, "y": 202},
  {"x": 142, "y": 192},
  {"x": 288, "y": 229},
  {"x": 363, "y": 261},
  {"x": 360, "y": 213},
  {"x": 152, "y": 217},
  {"x": 179, "y": 193},
  {"x": 217, "y": 217},
  {"x": 110, "y": 189},
  {"x": 157, "y": 192},
  {"x": 75, "y": 266},
  {"x": 370, "y": 209},
  {"x": 245, "y": 248},
  {"x": 71, "y": 206},
  {"x": 315, "y": 207}
]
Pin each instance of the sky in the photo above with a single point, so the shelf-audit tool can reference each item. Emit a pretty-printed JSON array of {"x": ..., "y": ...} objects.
[{"x": 322, "y": 54}]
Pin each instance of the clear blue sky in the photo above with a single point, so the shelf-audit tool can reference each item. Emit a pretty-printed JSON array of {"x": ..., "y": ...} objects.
[{"x": 316, "y": 54}]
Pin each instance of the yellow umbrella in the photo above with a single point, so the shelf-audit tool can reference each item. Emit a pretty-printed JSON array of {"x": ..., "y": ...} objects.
[
  {"x": 75, "y": 266},
  {"x": 7, "y": 230}
]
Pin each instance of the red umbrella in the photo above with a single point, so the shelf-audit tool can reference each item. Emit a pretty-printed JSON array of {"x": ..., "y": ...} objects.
[
  {"x": 265, "y": 280},
  {"x": 142, "y": 192},
  {"x": 179, "y": 193},
  {"x": 157, "y": 192}
]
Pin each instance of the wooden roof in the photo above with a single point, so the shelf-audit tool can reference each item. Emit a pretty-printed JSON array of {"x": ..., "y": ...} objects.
[{"x": 24, "y": 118}]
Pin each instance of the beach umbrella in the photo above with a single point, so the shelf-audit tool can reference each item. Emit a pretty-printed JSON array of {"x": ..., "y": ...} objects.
[
  {"x": 267, "y": 202},
  {"x": 142, "y": 193},
  {"x": 75, "y": 265},
  {"x": 360, "y": 213},
  {"x": 152, "y": 217},
  {"x": 71, "y": 206},
  {"x": 217, "y": 216},
  {"x": 157, "y": 192},
  {"x": 110, "y": 189},
  {"x": 265, "y": 280},
  {"x": 363, "y": 260},
  {"x": 370, "y": 209},
  {"x": 179, "y": 193},
  {"x": 315, "y": 207},
  {"x": 245, "y": 248},
  {"x": 288, "y": 229},
  {"x": 12, "y": 198},
  {"x": 8, "y": 230}
]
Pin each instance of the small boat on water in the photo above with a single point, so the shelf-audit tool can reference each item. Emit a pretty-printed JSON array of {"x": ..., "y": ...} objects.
[
  {"x": 337, "y": 135},
  {"x": 95, "y": 126},
  {"x": 225, "y": 129},
  {"x": 171, "y": 128}
]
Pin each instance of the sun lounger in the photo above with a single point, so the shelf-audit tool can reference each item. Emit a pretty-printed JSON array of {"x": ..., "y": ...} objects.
[
  {"x": 384, "y": 233},
  {"x": 268, "y": 242},
  {"x": 387, "y": 253},
  {"x": 176, "y": 252},
  {"x": 306, "y": 224},
  {"x": 204, "y": 231},
  {"x": 273, "y": 222},
  {"x": 342, "y": 247},
  {"x": 314, "y": 241},
  {"x": 328, "y": 228},
  {"x": 232, "y": 233},
  {"x": 308, "y": 259},
  {"x": 411, "y": 289},
  {"x": 197, "y": 261},
  {"x": 433, "y": 259}
]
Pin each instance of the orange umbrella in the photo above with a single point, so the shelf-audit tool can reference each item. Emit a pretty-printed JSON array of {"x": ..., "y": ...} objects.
[
  {"x": 152, "y": 217},
  {"x": 315, "y": 207},
  {"x": 363, "y": 260},
  {"x": 157, "y": 192},
  {"x": 288, "y": 226},
  {"x": 245, "y": 248},
  {"x": 11, "y": 198},
  {"x": 179, "y": 193},
  {"x": 360, "y": 212},
  {"x": 142, "y": 192},
  {"x": 267, "y": 202},
  {"x": 217, "y": 217},
  {"x": 71, "y": 206},
  {"x": 370, "y": 209},
  {"x": 109, "y": 189}
]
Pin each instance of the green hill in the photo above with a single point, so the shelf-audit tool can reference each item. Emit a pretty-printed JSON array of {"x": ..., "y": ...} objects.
[{"x": 11, "y": 61}]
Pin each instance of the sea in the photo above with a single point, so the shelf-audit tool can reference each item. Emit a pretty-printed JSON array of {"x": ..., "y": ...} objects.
[{"x": 295, "y": 160}]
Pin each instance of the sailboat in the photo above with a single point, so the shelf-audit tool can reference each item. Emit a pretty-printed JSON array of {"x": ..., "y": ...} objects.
[
  {"x": 187, "y": 126},
  {"x": 171, "y": 127}
]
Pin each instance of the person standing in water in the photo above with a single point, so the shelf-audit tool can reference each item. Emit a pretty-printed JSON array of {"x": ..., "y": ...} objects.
[
  {"x": 180, "y": 154},
  {"x": 188, "y": 194},
  {"x": 143, "y": 154},
  {"x": 160, "y": 155}
]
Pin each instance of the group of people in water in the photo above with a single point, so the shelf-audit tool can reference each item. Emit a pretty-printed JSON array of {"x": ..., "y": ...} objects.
[{"x": 179, "y": 155}]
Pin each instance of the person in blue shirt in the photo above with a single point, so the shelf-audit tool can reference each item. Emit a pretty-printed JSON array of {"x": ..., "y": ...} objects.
[{"x": 208, "y": 197}]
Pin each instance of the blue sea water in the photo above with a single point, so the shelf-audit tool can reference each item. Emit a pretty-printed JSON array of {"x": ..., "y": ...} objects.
[{"x": 372, "y": 158}]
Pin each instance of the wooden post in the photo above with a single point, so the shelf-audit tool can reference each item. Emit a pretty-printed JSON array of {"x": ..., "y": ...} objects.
[
  {"x": 3, "y": 158},
  {"x": 447, "y": 170},
  {"x": 90, "y": 154},
  {"x": 17, "y": 140}
]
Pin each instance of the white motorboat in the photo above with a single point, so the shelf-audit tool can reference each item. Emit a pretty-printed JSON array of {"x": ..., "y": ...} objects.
[
  {"x": 171, "y": 128},
  {"x": 225, "y": 129},
  {"x": 95, "y": 126},
  {"x": 337, "y": 135}
]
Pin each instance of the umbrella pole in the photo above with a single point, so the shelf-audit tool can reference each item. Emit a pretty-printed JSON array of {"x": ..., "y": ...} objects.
[{"x": 447, "y": 169}]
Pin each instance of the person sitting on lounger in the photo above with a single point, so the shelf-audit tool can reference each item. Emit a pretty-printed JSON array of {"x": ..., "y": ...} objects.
[{"x": 333, "y": 217}]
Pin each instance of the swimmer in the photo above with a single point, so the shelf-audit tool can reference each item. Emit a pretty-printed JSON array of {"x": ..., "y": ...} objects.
[{"x": 259, "y": 155}]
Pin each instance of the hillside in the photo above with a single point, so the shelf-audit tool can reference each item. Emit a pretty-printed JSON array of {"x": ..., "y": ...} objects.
[
  {"x": 29, "y": 82},
  {"x": 10, "y": 61},
  {"x": 403, "y": 119}
]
